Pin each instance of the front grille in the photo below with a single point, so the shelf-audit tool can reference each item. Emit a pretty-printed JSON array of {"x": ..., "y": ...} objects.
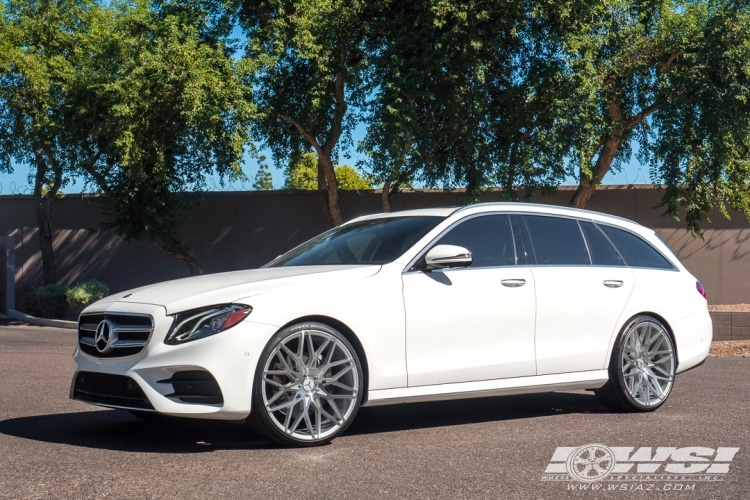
[
  {"x": 196, "y": 387},
  {"x": 125, "y": 334},
  {"x": 110, "y": 390}
]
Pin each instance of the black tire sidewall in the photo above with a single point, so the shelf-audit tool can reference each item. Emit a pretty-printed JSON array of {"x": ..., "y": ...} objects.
[{"x": 262, "y": 422}]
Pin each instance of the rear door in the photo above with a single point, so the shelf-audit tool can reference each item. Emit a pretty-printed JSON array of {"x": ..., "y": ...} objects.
[{"x": 582, "y": 287}]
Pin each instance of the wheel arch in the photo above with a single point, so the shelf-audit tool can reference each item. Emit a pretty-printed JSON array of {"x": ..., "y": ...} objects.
[
  {"x": 661, "y": 320},
  {"x": 347, "y": 332}
]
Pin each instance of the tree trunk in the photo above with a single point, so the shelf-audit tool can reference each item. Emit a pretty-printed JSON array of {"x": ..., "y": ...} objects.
[
  {"x": 607, "y": 148},
  {"x": 588, "y": 183},
  {"x": 385, "y": 197},
  {"x": 44, "y": 213},
  {"x": 175, "y": 248},
  {"x": 331, "y": 193},
  {"x": 43, "y": 220}
]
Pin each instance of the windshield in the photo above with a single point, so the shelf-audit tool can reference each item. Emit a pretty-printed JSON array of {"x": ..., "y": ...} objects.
[{"x": 373, "y": 241}]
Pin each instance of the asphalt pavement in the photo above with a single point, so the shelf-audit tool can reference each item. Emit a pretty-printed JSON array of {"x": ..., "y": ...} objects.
[{"x": 53, "y": 447}]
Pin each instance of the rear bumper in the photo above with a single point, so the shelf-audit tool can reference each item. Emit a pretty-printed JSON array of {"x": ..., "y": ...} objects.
[{"x": 693, "y": 335}]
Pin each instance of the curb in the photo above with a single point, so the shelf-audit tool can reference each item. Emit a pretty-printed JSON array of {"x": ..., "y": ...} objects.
[{"x": 33, "y": 320}]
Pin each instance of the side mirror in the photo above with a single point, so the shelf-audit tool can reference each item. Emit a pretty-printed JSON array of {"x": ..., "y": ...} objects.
[{"x": 447, "y": 256}]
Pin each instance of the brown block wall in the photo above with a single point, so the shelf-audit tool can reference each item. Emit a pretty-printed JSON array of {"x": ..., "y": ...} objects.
[{"x": 243, "y": 230}]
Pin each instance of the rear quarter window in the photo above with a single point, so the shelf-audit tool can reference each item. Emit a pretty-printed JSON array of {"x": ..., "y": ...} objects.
[{"x": 635, "y": 251}]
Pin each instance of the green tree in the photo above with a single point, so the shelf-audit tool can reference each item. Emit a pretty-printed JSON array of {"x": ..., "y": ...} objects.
[
  {"x": 42, "y": 47},
  {"x": 351, "y": 180},
  {"x": 310, "y": 63},
  {"x": 673, "y": 77},
  {"x": 163, "y": 106},
  {"x": 302, "y": 174},
  {"x": 263, "y": 178},
  {"x": 463, "y": 97}
]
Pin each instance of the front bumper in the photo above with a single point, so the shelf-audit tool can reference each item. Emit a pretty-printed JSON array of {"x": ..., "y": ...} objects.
[{"x": 230, "y": 357}]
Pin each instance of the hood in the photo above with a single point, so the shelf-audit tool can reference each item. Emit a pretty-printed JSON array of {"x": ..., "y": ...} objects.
[{"x": 221, "y": 288}]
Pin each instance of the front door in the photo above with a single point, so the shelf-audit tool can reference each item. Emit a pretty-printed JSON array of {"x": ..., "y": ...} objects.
[{"x": 475, "y": 323}]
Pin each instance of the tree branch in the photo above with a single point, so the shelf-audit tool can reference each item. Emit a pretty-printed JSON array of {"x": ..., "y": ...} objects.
[
  {"x": 639, "y": 117},
  {"x": 340, "y": 111},
  {"x": 522, "y": 136},
  {"x": 302, "y": 130}
]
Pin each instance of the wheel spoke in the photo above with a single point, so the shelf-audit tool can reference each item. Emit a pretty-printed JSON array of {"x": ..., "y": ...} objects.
[
  {"x": 339, "y": 374},
  {"x": 340, "y": 385},
  {"x": 276, "y": 396},
  {"x": 275, "y": 384},
  {"x": 664, "y": 359}
]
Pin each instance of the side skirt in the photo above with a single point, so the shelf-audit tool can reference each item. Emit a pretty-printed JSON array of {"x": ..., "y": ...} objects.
[{"x": 501, "y": 387}]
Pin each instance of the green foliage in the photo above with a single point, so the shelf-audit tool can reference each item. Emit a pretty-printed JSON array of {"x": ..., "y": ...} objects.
[
  {"x": 83, "y": 294},
  {"x": 350, "y": 180},
  {"x": 525, "y": 94},
  {"x": 309, "y": 63},
  {"x": 163, "y": 107},
  {"x": 303, "y": 174},
  {"x": 47, "y": 301},
  {"x": 42, "y": 47},
  {"x": 263, "y": 178}
]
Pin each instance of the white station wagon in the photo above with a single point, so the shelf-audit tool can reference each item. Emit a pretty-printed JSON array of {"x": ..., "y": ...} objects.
[{"x": 421, "y": 305}]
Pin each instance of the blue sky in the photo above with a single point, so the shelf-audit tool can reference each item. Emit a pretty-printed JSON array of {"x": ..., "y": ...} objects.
[{"x": 17, "y": 182}]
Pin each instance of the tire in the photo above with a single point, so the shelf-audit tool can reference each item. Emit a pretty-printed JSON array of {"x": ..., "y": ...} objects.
[
  {"x": 306, "y": 395},
  {"x": 640, "y": 379}
]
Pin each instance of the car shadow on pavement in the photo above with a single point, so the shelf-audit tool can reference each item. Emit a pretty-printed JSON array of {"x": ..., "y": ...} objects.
[
  {"x": 119, "y": 431},
  {"x": 472, "y": 411}
]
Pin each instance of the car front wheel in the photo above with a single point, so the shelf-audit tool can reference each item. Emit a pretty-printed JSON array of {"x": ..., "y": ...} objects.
[
  {"x": 307, "y": 387},
  {"x": 642, "y": 367}
]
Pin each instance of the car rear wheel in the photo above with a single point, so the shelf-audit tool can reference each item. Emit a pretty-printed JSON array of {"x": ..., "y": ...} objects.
[
  {"x": 642, "y": 367},
  {"x": 307, "y": 387}
]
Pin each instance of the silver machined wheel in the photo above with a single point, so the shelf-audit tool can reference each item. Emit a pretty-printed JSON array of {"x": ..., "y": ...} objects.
[
  {"x": 648, "y": 363},
  {"x": 310, "y": 385}
]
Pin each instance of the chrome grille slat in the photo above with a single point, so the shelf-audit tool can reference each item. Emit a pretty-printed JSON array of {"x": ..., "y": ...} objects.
[
  {"x": 127, "y": 335},
  {"x": 128, "y": 343},
  {"x": 121, "y": 328}
]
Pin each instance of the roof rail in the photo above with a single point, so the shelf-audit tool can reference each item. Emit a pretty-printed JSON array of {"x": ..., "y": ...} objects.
[{"x": 540, "y": 205}]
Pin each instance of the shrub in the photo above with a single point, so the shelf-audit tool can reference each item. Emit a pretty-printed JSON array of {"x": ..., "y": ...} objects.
[
  {"x": 31, "y": 304},
  {"x": 47, "y": 301},
  {"x": 85, "y": 293}
]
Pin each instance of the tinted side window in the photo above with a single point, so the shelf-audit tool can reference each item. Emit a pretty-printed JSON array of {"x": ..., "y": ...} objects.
[
  {"x": 634, "y": 250},
  {"x": 557, "y": 241},
  {"x": 488, "y": 238},
  {"x": 602, "y": 251},
  {"x": 524, "y": 250}
]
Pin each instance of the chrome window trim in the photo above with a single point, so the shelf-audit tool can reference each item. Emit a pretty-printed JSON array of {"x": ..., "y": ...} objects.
[{"x": 408, "y": 268}]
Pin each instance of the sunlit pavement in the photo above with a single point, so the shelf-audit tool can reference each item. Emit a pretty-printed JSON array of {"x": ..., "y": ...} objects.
[{"x": 51, "y": 446}]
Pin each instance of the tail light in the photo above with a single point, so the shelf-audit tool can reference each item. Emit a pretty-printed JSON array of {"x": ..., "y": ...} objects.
[{"x": 701, "y": 290}]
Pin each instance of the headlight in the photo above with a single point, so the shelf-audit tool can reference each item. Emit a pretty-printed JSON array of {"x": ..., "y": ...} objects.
[{"x": 204, "y": 322}]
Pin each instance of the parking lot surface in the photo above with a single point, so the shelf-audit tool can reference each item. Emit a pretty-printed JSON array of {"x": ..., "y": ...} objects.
[{"x": 53, "y": 447}]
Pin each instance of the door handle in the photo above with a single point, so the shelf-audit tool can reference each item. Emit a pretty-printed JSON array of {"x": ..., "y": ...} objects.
[
  {"x": 513, "y": 283},
  {"x": 613, "y": 283}
]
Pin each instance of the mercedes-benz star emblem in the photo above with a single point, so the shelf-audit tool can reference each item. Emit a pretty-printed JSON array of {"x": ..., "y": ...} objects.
[{"x": 104, "y": 337}]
